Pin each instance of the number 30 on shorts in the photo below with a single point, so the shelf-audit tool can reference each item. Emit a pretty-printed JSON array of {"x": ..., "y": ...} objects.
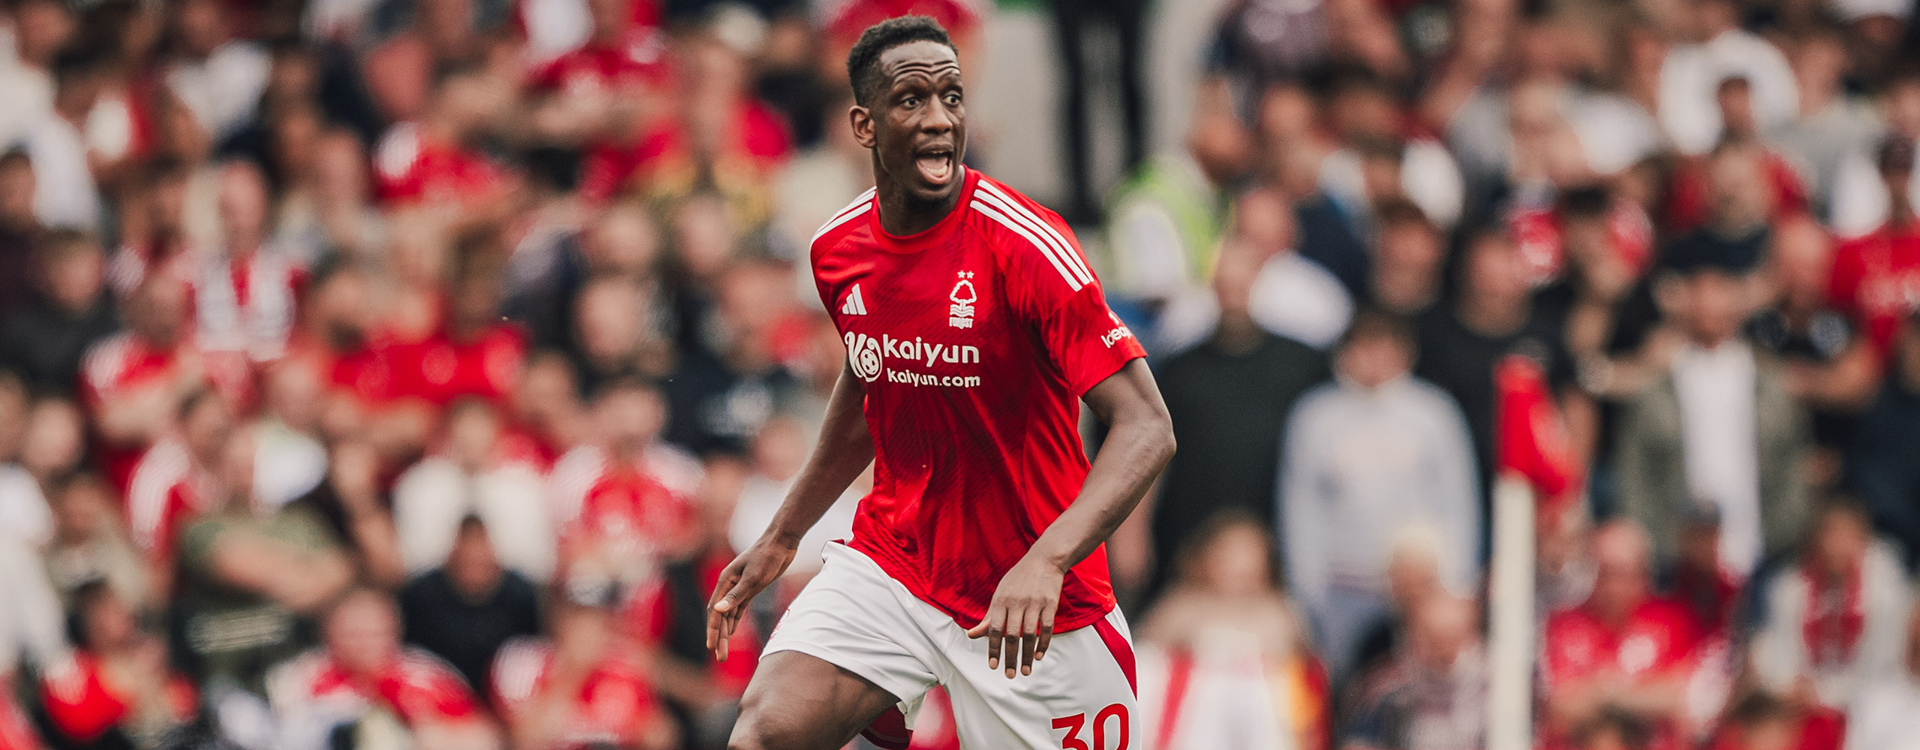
[{"x": 1073, "y": 724}]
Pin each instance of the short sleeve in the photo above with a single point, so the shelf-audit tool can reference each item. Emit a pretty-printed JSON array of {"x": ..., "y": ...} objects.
[{"x": 1049, "y": 285}]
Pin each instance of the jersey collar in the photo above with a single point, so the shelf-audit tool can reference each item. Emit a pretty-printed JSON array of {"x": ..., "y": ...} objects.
[{"x": 932, "y": 235}]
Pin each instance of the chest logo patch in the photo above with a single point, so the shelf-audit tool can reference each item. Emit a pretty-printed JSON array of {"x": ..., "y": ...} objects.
[
  {"x": 960, "y": 314},
  {"x": 863, "y": 355}
]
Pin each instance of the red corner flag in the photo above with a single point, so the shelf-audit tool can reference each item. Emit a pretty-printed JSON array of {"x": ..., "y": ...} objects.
[{"x": 1530, "y": 438}]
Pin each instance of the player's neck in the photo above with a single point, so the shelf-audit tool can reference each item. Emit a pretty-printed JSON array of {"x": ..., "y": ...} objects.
[{"x": 902, "y": 215}]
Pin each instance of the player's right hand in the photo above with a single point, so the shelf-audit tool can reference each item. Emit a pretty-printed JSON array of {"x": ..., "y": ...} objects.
[{"x": 749, "y": 574}]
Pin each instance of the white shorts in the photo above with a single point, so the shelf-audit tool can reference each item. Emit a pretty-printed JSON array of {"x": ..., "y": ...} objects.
[{"x": 856, "y": 617}]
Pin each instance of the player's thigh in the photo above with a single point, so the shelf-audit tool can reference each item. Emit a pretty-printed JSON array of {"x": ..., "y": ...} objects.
[
  {"x": 849, "y": 646},
  {"x": 1080, "y": 697},
  {"x": 801, "y": 702}
]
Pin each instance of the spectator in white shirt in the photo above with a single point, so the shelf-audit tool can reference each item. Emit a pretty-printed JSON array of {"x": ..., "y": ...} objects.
[
  {"x": 1370, "y": 457},
  {"x": 779, "y": 453},
  {"x": 53, "y": 446},
  {"x": 1222, "y": 662},
  {"x": 1693, "y": 72},
  {"x": 218, "y": 78},
  {"x": 1837, "y": 618},
  {"x": 243, "y": 295},
  {"x": 65, "y": 194},
  {"x": 1292, "y": 296},
  {"x": 472, "y": 478},
  {"x": 40, "y": 28},
  {"x": 1885, "y": 713}
]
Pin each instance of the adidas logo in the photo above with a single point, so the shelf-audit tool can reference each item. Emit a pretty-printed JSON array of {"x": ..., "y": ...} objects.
[{"x": 854, "y": 305}]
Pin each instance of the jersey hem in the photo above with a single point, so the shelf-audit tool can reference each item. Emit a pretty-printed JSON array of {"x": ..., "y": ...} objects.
[{"x": 965, "y": 621}]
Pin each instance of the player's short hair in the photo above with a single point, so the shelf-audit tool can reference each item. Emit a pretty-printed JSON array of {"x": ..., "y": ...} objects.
[{"x": 863, "y": 61}]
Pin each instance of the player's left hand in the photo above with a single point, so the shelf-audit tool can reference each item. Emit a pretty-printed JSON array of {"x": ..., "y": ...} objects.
[{"x": 1020, "y": 620}]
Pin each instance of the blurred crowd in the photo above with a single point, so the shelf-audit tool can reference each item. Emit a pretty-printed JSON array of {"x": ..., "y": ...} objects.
[
  {"x": 401, "y": 373},
  {"x": 1657, "y": 262}
]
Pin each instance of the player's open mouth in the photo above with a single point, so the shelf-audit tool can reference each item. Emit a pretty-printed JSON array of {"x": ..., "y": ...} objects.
[{"x": 936, "y": 164}]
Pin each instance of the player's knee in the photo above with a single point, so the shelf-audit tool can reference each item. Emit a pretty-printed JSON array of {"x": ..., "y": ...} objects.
[{"x": 757, "y": 731}]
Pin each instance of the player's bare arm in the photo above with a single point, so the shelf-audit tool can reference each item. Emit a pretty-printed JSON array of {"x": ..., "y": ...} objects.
[
  {"x": 916, "y": 129},
  {"x": 844, "y": 450},
  {"x": 1019, "y": 623}
]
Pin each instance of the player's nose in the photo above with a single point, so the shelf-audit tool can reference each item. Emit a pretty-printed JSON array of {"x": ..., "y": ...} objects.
[{"x": 940, "y": 119}]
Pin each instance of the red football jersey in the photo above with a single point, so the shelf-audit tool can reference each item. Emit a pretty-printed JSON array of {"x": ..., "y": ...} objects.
[
  {"x": 1659, "y": 636},
  {"x": 1877, "y": 279},
  {"x": 976, "y": 338}
]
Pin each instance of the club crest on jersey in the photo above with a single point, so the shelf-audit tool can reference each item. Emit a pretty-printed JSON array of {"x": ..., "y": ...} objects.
[
  {"x": 863, "y": 355},
  {"x": 960, "y": 314}
]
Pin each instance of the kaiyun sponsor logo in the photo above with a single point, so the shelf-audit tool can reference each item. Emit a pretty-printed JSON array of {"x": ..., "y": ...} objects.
[{"x": 868, "y": 357}]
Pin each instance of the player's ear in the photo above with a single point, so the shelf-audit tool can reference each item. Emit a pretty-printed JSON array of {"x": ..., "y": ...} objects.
[{"x": 862, "y": 120}]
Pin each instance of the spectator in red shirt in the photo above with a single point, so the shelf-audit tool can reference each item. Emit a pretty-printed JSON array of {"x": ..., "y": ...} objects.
[
  {"x": 723, "y": 139},
  {"x": 336, "y": 316},
  {"x": 547, "y": 416},
  {"x": 627, "y": 503},
  {"x": 582, "y": 688},
  {"x": 1876, "y": 278},
  {"x": 425, "y": 158},
  {"x": 132, "y": 383},
  {"x": 1691, "y": 202},
  {"x": 179, "y": 477},
  {"x": 475, "y": 355},
  {"x": 362, "y": 676},
  {"x": 619, "y": 77},
  {"x": 118, "y": 681},
  {"x": 1623, "y": 650},
  {"x": 1700, "y": 580}
]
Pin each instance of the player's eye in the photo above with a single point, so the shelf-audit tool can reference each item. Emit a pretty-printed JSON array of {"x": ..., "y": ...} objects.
[
  {"x": 910, "y": 102},
  {"x": 953, "y": 100}
]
